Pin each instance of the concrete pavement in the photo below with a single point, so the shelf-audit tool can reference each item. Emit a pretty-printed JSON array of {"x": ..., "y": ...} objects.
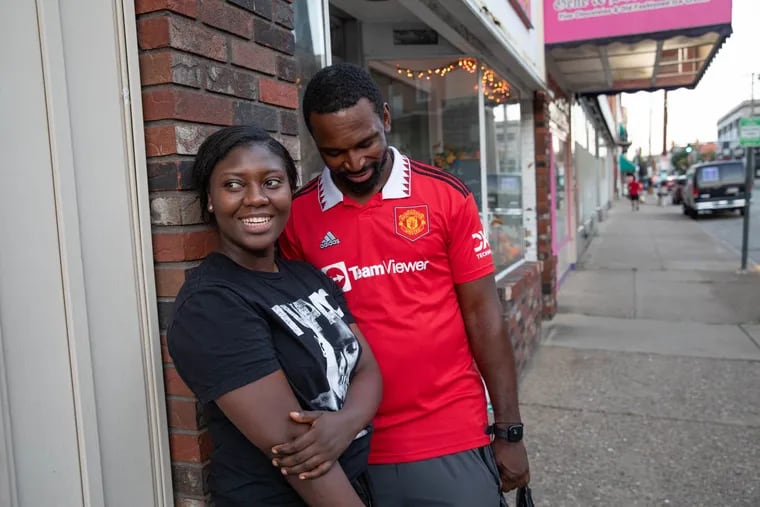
[{"x": 646, "y": 387}]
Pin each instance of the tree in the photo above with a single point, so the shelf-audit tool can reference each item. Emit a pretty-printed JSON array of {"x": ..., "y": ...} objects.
[{"x": 680, "y": 160}]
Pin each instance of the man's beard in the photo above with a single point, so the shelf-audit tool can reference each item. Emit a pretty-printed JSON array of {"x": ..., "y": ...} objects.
[{"x": 368, "y": 186}]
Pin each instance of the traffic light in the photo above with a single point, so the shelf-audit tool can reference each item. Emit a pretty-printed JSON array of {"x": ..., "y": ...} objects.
[{"x": 688, "y": 148}]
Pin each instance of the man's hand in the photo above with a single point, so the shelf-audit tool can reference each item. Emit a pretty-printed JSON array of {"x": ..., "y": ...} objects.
[
  {"x": 312, "y": 454},
  {"x": 512, "y": 462}
]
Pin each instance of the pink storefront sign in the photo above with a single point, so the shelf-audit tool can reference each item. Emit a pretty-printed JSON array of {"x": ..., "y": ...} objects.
[{"x": 581, "y": 20}]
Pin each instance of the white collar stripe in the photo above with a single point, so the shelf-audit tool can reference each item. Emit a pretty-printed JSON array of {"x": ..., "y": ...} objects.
[{"x": 398, "y": 186}]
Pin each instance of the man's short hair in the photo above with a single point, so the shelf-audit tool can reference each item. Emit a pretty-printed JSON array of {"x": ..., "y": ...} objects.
[{"x": 339, "y": 87}]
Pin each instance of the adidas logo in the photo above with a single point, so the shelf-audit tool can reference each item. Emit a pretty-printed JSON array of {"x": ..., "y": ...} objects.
[{"x": 329, "y": 240}]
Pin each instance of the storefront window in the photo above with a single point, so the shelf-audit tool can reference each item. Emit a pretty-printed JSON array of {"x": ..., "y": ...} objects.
[
  {"x": 559, "y": 121},
  {"x": 504, "y": 182},
  {"x": 310, "y": 56},
  {"x": 434, "y": 114},
  {"x": 559, "y": 159},
  {"x": 436, "y": 119}
]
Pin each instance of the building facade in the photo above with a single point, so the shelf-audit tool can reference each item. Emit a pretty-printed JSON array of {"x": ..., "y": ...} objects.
[
  {"x": 116, "y": 103},
  {"x": 728, "y": 133}
]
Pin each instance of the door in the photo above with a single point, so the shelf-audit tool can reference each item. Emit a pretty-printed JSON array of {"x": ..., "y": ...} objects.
[{"x": 81, "y": 396}]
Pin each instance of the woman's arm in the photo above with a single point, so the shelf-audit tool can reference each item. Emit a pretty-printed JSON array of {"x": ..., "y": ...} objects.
[
  {"x": 330, "y": 433},
  {"x": 260, "y": 411}
]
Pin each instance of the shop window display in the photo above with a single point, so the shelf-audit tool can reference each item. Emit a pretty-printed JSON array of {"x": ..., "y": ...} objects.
[
  {"x": 436, "y": 119},
  {"x": 504, "y": 183}
]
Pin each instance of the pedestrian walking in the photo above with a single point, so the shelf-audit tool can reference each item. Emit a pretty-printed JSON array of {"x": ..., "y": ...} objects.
[{"x": 634, "y": 189}]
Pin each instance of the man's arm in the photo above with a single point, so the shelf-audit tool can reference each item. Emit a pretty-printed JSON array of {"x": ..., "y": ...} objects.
[
  {"x": 492, "y": 349},
  {"x": 260, "y": 411}
]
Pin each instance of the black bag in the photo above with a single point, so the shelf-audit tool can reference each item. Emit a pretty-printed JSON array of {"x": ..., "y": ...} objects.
[{"x": 523, "y": 498}]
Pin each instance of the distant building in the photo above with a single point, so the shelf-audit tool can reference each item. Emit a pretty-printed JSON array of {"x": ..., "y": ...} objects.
[{"x": 728, "y": 130}]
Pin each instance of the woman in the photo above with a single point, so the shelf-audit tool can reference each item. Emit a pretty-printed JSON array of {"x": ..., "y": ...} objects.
[{"x": 287, "y": 381}]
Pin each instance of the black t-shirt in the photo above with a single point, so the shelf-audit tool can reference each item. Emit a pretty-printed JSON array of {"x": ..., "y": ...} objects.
[{"x": 233, "y": 326}]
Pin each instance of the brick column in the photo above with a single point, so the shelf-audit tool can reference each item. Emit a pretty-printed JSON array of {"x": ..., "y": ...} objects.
[
  {"x": 544, "y": 205},
  {"x": 203, "y": 64}
]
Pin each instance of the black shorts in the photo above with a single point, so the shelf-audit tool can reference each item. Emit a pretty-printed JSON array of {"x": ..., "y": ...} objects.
[{"x": 633, "y": 197}]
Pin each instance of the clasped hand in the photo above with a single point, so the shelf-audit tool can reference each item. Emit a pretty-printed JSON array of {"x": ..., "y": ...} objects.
[{"x": 312, "y": 454}]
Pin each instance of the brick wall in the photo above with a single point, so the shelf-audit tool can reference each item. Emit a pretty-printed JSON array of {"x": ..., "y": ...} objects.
[
  {"x": 522, "y": 302},
  {"x": 544, "y": 206},
  {"x": 203, "y": 64}
]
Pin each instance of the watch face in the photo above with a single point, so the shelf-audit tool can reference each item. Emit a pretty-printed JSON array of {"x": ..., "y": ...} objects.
[{"x": 515, "y": 433}]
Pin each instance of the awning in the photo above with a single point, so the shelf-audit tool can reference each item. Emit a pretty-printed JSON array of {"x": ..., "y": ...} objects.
[
  {"x": 639, "y": 45},
  {"x": 626, "y": 166}
]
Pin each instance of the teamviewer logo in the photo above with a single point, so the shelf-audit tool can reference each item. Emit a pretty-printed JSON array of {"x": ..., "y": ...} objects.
[{"x": 339, "y": 275}]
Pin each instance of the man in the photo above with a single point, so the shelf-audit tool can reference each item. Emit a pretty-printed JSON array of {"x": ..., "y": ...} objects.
[
  {"x": 634, "y": 187},
  {"x": 405, "y": 243}
]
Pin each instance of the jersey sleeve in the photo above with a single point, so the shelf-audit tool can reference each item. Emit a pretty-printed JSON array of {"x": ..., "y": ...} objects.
[
  {"x": 469, "y": 253},
  {"x": 288, "y": 244},
  {"x": 219, "y": 343}
]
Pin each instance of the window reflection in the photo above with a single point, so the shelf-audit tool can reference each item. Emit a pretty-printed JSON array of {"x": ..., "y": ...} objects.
[
  {"x": 504, "y": 183},
  {"x": 310, "y": 56},
  {"x": 436, "y": 120}
]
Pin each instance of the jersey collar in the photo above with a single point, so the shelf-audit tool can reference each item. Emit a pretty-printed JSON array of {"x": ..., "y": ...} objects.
[{"x": 398, "y": 186}]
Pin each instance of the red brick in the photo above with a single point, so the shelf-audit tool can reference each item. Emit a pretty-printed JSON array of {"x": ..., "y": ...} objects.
[
  {"x": 182, "y": 414},
  {"x": 184, "y": 246},
  {"x": 160, "y": 140},
  {"x": 224, "y": 16},
  {"x": 166, "y": 358},
  {"x": 253, "y": 56},
  {"x": 175, "y": 385},
  {"x": 231, "y": 81},
  {"x": 191, "y": 136},
  {"x": 167, "y": 66},
  {"x": 187, "y": 7},
  {"x": 155, "y": 68},
  {"x": 190, "y": 447},
  {"x": 182, "y": 104},
  {"x": 180, "y": 501},
  {"x": 169, "y": 281},
  {"x": 279, "y": 94},
  {"x": 198, "y": 39},
  {"x": 153, "y": 33}
]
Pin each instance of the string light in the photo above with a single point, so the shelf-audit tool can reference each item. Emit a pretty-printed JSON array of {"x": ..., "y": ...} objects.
[{"x": 494, "y": 88}]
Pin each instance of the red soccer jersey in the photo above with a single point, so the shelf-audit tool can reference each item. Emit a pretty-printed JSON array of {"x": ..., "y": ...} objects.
[{"x": 397, "y": 258}]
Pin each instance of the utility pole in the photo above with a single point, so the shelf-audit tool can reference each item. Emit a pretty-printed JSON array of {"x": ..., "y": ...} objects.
[
  {"x": 749, "y": 179},
  {"x": 665, "y": 124},
  {"x": 651, "y": 98}
]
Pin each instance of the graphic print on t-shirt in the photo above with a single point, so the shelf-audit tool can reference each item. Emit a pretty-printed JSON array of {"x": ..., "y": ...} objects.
[{"x": 316, "y": 319}]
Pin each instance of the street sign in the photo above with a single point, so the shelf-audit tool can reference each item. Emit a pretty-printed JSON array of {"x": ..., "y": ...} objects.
[{"x": 749, "y": 131}]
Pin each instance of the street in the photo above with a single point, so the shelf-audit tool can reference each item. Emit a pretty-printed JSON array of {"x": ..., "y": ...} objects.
[
  {"x": 727, "y": 227},
  {"x": 644, "y": 388}
]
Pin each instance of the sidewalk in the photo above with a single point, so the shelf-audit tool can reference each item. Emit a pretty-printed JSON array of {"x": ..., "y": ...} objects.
[{"x": 646, "y": 387}]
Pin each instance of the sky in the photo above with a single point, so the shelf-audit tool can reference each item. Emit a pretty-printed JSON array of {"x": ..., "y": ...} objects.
[{"x": 693, "y": 114}]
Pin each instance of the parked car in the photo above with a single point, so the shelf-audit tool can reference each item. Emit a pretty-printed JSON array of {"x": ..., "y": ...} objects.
[
  {"x": 679, "y": 182},
  {"x": 714, "y": 186}
]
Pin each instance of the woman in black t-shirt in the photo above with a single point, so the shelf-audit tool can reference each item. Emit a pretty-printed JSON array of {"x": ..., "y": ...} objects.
[{"x": 268, "y": 345}]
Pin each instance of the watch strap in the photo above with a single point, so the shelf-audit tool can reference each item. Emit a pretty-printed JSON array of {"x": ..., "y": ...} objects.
[{"x": 511, "y": 432}]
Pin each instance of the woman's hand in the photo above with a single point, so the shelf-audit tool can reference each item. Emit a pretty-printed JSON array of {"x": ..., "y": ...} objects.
[{"x": 312, "y": 454}]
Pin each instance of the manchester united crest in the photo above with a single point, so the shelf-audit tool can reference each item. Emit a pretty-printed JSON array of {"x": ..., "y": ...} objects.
[{"x": 412, "y": 222}]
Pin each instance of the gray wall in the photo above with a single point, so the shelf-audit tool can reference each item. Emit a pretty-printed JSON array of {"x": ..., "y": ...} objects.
[{"x": 81, "y": 406}]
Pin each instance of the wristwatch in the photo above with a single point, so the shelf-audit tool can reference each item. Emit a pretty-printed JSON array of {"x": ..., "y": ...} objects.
[{"x": 512, "y": 432}]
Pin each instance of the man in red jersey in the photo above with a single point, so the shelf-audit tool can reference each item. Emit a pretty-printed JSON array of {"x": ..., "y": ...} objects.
[{"x": 405, "y": 243}]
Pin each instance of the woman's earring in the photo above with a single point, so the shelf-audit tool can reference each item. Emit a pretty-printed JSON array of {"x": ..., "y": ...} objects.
[{"x": 210, "y": 208}]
